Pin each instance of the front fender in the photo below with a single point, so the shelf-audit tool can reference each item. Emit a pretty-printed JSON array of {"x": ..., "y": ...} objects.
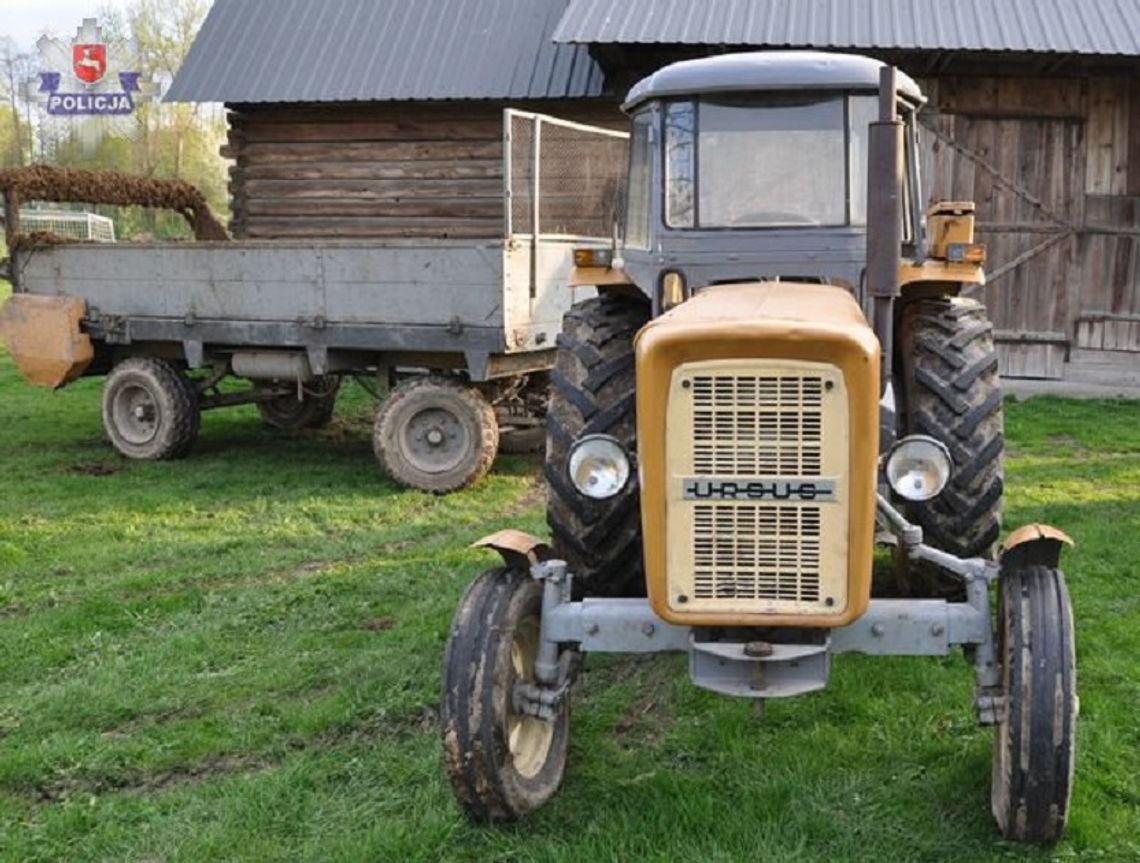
[
  {"x": 1034, "y": 545},
  {"x": 518, "y": 549}
]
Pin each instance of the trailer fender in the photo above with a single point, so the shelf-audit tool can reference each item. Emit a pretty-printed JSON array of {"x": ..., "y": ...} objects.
[
  {"x": 44, "y": 338},
  {"x": 1034, "y": 544},
  {"x": 519, "y": 550}
]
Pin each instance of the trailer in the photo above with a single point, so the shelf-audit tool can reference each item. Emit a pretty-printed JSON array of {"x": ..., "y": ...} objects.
[{"x": 458, "y": 334}]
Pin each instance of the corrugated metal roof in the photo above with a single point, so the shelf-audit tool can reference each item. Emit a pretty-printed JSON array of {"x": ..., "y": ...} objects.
[
  {"x": 1054, "y": 26},
  {"x": 365, "y": 50}
]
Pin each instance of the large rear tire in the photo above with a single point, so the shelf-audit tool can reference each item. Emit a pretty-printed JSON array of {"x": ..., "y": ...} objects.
[
  {"x": 951, "y": 391},
  {"x": 502, "y": 763},
  {"x": 593, "y": 392},
  {"x": 150, "y": 410},
  {"x": 1034, "y": 747}
]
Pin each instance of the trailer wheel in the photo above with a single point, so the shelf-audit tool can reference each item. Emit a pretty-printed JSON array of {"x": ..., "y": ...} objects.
[
  {"x": 1034, "y": 747},
  {"x": 150, "y": 410},
  {"x": 313, "y": 410},
  {"x": 436, "y": 434},
  {"x": 952, "y": 392},
  {"x": 502, "y": 764},
  {"x": 593, "y": 392}
]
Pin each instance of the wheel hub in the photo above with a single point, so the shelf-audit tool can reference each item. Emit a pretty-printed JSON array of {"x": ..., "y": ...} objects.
[
  {"x": 136, "y": 414},
  {"x": 435, "y": 440},
  {"x": 528, "y": 737}
]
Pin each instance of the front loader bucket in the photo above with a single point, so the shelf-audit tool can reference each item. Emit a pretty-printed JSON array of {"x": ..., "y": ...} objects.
[{"x": 43, "y": 337}]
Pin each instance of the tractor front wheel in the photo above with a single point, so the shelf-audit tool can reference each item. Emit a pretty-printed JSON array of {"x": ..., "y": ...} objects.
[
  {"x": 1034, "y": 744},
  {"x": 502, "y": 763}
]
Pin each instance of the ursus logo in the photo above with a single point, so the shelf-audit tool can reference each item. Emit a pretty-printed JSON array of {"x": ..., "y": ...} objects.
[{"x": 89, "y": 62}]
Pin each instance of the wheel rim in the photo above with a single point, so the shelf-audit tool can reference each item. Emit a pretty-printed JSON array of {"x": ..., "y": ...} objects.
[
  {"x": 529, "y": 737},
  {"x": 136, "y": 413},
  {"x": 435, "y": 440}
]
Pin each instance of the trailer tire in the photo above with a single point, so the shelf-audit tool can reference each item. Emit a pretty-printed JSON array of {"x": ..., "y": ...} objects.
[
  {"x": 1034, "y": 745},
  {"x": 593, "y": 392},
  {"x": 952, "y": 392},
  {"x": 436, "y": 434},
  {"x": 313, "y": 410},
  {"x": 502, "y": 764},
  {"x": 150, "y": 410}
]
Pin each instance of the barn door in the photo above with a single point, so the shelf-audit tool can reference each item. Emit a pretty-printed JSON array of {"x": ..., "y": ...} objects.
[{"x": 1026, "y": 176}]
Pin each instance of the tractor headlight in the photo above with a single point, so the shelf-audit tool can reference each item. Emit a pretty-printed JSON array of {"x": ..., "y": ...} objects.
[
  {"x": 918, "y": 467},
  {"x": 599, "y": 467}
]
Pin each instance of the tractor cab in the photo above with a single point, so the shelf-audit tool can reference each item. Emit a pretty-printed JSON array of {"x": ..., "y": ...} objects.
[{"x": 754, "y": 167}]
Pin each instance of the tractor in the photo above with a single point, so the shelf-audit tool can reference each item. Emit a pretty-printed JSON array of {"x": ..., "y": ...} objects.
[{"x": 780, "y": 371}]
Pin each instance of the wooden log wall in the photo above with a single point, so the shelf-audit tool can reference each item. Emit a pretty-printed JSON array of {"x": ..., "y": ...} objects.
[
  {"x": 376, "y": 170},
  {"x": 1054, "y": 167}
]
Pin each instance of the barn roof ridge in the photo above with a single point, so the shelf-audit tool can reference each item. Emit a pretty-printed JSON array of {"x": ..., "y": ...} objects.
[
  {"x": 260, "y": 51},
  {"x": 1089, "y": 27}
]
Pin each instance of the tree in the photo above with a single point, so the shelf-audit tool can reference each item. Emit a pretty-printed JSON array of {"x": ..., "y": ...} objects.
[
  {"x": 16, "y": 68},
  {"x": 161, "y": 140}
]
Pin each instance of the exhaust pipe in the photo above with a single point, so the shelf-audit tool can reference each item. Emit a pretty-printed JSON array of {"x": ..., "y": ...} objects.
[{"x": 884, "y": 216}]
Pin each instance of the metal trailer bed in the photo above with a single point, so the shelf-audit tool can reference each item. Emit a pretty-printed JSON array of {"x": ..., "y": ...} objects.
[
  {"x": 484, "y": 307},
  {"x": 458, "y": 333}
]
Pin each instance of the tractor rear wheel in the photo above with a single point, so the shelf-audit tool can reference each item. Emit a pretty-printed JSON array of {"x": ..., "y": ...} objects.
[
  {"x": 1034, "y": 745},
  {"x": 593, "y": 393},
  {"x": 502, "y": 763},
  {"x": 951, "y": 391},
  {"x": 314, "y": 409},
  {"x": 150, "y": 410}
]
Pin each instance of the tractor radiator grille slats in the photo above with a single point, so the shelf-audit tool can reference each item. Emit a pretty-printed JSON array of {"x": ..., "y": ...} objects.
[
  {"x": 755, "y": 425},
  {"x": 747, "y": 551}
]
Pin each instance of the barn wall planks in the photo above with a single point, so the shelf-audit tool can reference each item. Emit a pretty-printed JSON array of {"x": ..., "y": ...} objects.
[
  {"x": 1054, "y": 167},
  {"x": 379, "y": 169}
]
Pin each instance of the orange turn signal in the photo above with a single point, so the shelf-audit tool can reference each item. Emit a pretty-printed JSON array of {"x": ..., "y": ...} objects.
[
  {"x": 593, "y": 257},
  {"x": 966, "y": 253}
]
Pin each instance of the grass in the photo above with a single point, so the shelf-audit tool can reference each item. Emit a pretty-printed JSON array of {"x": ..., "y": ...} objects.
[{"x": 237, "y": 656}]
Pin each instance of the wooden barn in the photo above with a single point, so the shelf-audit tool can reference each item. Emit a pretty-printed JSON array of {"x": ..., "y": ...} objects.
[
  {"x": 359, "y": 118},
  {"x": 381, "y": 118}
]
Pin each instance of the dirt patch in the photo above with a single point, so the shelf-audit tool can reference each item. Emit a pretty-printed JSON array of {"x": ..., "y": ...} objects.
[
  {"x": 379, "y": 624},
  {"x": 52, "y": 183},
  {"x": 146, "y": 783},
  {"x": 646, "y": 720},
  {"x": 95, "y": 468}
]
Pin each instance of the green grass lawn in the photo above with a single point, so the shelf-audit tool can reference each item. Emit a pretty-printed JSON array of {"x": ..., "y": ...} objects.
[{"x": 236, "y": 656}]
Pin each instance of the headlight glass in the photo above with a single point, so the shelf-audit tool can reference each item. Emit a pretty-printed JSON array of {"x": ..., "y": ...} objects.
[
  {"x": 599, "y": 467},
  {"x": 918, "y": 467}
]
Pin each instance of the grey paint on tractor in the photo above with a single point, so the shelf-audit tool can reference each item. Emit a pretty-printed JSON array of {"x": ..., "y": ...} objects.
[
  {"x": 711, "y": 256},
  {"x": 766, "y": 71}
]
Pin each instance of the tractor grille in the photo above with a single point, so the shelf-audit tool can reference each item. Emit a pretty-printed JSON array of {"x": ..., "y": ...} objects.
[
  {"x": 744, "y": 551},
  {"x": 758, "y": 428},
  {"x": 757, "y": 425}
]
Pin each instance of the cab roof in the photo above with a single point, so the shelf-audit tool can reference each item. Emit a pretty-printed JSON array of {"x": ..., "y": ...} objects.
[{"x": 767, "y": 70}]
